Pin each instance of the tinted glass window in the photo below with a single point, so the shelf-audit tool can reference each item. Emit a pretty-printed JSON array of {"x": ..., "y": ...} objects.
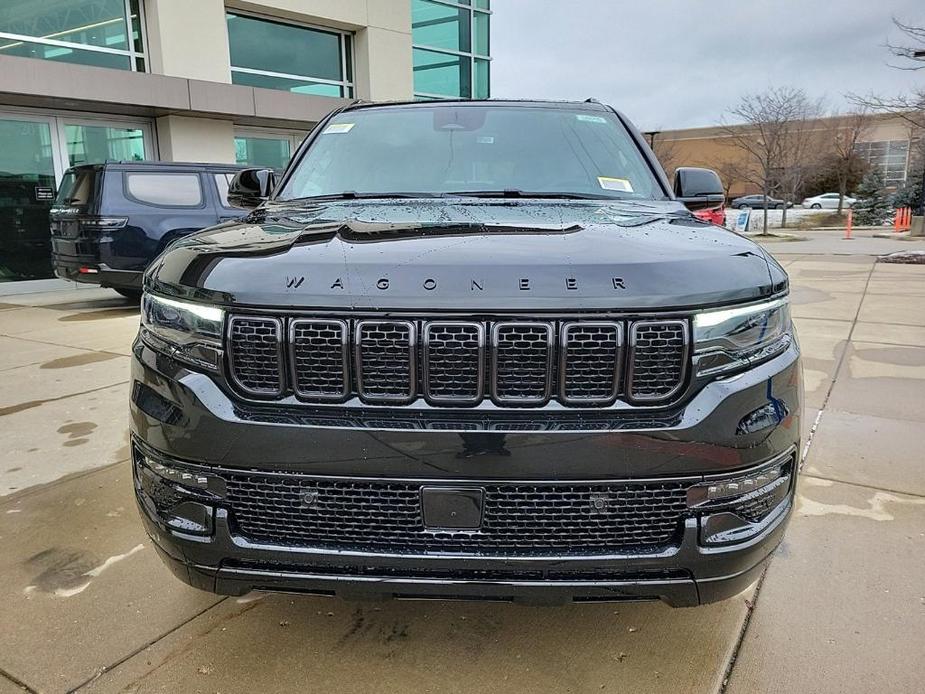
[
  {"x": 76, "y": 188},
  {"x": 91, "y": 144},
  {"x": 270, "y": 152},
  {"x": 105, "y": 33},
  {"x": 222, "y": 181},
  {"x": 168, "y": 189},
  {"x": 454, "y": 149},
  {"x": 283, "y": 56}
]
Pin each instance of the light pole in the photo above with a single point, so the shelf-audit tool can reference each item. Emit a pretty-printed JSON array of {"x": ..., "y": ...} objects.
[{"x": 920, "y": 55}]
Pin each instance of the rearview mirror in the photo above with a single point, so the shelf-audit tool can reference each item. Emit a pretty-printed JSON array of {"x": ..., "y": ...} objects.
[
  {"x": 251, "y": 187},
  {"x": 698, "y": 189}
]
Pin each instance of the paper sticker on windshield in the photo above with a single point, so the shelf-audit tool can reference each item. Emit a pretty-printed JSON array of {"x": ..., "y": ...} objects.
[
  {"x": 590, "y": 119},
  {"x": 620, "y": 184},
  {"x": 338, "y": 128}
]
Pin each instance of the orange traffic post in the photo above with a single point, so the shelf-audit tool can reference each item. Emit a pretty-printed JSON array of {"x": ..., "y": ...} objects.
[
  {"x": 848, "y": 225},
  {"x": 908, "y": 223},
  {"x": 896, "y": 222}
]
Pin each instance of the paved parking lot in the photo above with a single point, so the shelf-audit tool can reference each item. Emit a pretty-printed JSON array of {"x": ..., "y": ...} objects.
[{"x": 85, "y": 603}]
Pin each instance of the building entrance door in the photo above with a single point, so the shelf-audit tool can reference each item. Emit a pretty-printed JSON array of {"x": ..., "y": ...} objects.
[{"x": 27, "y": 189}]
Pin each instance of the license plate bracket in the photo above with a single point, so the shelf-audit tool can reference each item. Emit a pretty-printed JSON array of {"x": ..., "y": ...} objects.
[{"x": 452, "y": 508}]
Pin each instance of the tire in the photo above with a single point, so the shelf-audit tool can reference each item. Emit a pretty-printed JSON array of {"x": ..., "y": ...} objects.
[
  {"x": 743, "y": 206},
  {"x": 815, "y": 206},
  {"x": 778, "y": 206},
  {"x": 133, "y": 295}
]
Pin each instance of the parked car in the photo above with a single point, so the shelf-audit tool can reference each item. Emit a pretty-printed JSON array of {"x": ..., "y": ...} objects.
[
  {"x": 757, "y": 201},
  {"x": 110, "y": 220},
  {"x": 468, "y": 349},
  {"x": 828, "y": 201},
  {"x": 715, "y": 215}
]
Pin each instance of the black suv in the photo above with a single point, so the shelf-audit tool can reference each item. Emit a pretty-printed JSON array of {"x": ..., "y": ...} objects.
[
  {"x": 109, "y": 221},
  {"x": 468, "y": 350}
]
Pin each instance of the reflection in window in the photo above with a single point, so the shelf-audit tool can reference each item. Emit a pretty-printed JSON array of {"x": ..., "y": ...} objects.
[
  {"x": 87, "y": 32},
  {"x": 91, "y": 144},
  {"x": 269, "y": 152},
  {"x": 287, "y": 57},
  {"x": 451, "y": 48}
]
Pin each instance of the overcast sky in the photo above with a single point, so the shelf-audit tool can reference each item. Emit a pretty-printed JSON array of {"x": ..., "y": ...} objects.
[{"x": 684, "y": 63}]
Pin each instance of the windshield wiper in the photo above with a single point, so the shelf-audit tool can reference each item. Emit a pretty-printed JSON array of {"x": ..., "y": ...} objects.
[
  {"x": 353, "y": 195},
  {"x": 541, "y": 195}
]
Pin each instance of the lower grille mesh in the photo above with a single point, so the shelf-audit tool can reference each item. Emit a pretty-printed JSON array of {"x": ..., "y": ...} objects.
[{"x": 518, "y": 518}]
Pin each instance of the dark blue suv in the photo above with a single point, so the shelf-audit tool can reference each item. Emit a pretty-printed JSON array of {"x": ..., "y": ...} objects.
[{"x": 109, "y": 221}]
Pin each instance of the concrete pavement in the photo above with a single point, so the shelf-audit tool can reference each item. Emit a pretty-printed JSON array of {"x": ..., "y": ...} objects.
[{"x": 85, "y": 603}]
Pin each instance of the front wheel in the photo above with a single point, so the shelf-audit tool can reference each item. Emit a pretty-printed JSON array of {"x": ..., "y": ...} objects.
[
  {"x": 816, "y": 206},
  {"x": 743, "y": 206},
  {"x": 133, "y": 295},
  {"x": 778, "y": 207}
]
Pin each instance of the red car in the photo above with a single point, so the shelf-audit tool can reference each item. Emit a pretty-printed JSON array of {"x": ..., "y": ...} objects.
[{"x": 715, "y": 216}]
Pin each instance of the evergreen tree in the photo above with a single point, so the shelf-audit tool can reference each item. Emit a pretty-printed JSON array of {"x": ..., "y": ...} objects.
[
  {"x": 873, "y": 207},
  {"x": 910, "y": 193}
]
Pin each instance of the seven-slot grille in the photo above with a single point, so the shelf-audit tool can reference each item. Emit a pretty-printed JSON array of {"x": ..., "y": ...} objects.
[
  {"x": 518, "y": 518},
  {"x": 586, "y": 363}
]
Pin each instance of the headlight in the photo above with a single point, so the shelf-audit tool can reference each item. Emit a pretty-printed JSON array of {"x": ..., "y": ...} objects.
[
  {"x": 188, "y": 332},
  {"x": 728, "y": 339}
]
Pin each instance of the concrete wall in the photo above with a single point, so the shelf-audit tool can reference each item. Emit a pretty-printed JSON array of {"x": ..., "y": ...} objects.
[
  {"x": 188, "y": 38},
  {"x": 181, "y": 138}
]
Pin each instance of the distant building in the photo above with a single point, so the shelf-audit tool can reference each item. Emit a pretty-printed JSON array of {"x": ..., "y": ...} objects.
[{"x": 887, "y": 144}]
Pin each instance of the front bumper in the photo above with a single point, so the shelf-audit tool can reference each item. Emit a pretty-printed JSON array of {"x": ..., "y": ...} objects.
[{"x": 183, "y": 416}]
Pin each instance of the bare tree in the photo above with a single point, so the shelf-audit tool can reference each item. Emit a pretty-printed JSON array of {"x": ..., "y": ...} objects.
[
  {"x": 666, "y": 151},
  {"x": 772, "y": 133},
  {"x": 802, "y": 148},
  {"x": 848, "y": 130},
  {"x": 910, "y": 106}
]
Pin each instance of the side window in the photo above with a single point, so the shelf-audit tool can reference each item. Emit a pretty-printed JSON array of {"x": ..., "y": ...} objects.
[
  {"x": 222, "y": 181},
  {"x": 164, "y": 189}
]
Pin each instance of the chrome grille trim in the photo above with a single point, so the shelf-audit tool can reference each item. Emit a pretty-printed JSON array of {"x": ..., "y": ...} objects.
[
  {"x": 341, "y": 353},
  {"x": 237, "y": 358},
  {"x": 502, "y": 383},
  {"x": 635, "y": 390},
  {"x": 566, "y": 377},
  {"x": 366, "y": 377},
  {"x": 430, "y": 361}
]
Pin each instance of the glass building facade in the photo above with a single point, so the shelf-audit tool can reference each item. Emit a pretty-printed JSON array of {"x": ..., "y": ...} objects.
[
  {"x": 104, "y": 33},
  {"x": 295, "y": 58},
  {"x": 451, "y": 51}
]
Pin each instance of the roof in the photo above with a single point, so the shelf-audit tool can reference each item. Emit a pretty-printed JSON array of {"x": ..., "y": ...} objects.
[
  {"x": 588, "y": 104},
  {"x": 159, "y": 165}
]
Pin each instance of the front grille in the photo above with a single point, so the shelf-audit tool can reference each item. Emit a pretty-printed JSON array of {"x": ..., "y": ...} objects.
[
  {"x": 582, "y": 363},
  {"x": 658, "y": 359},
  {"x": 385, "y": 353},
  {"x": 454, "y": 361},
  {"x": 590, "y": 368},
  {"x": 518, "y": 518},
  {"x": 255, "y": 354},
  {"x": 522, "y": 362}
]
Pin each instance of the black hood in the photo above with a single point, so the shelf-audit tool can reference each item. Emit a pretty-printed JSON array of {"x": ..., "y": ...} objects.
[{"x": 468, "y": 255}]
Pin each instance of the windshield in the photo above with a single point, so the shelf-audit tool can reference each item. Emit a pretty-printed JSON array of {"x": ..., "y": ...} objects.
[{"x": 474, "y": 149}]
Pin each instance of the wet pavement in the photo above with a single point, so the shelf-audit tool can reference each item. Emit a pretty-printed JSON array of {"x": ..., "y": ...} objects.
[{"x": 85, "y": 603}]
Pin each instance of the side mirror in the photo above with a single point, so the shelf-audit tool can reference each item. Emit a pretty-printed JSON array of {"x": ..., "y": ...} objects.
[
  {"x": 251, "y": 187},
  {"x": 698, "y": 189}
]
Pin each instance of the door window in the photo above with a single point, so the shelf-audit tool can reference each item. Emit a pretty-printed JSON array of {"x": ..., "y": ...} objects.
[{"x": 165, "y": 189}]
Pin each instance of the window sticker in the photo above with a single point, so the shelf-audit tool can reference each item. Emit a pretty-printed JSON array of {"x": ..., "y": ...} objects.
[
  {"x": 621, "y": 184},
  {"x": 338, "y": 128},
  {"x": 590, "y": 119}
]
